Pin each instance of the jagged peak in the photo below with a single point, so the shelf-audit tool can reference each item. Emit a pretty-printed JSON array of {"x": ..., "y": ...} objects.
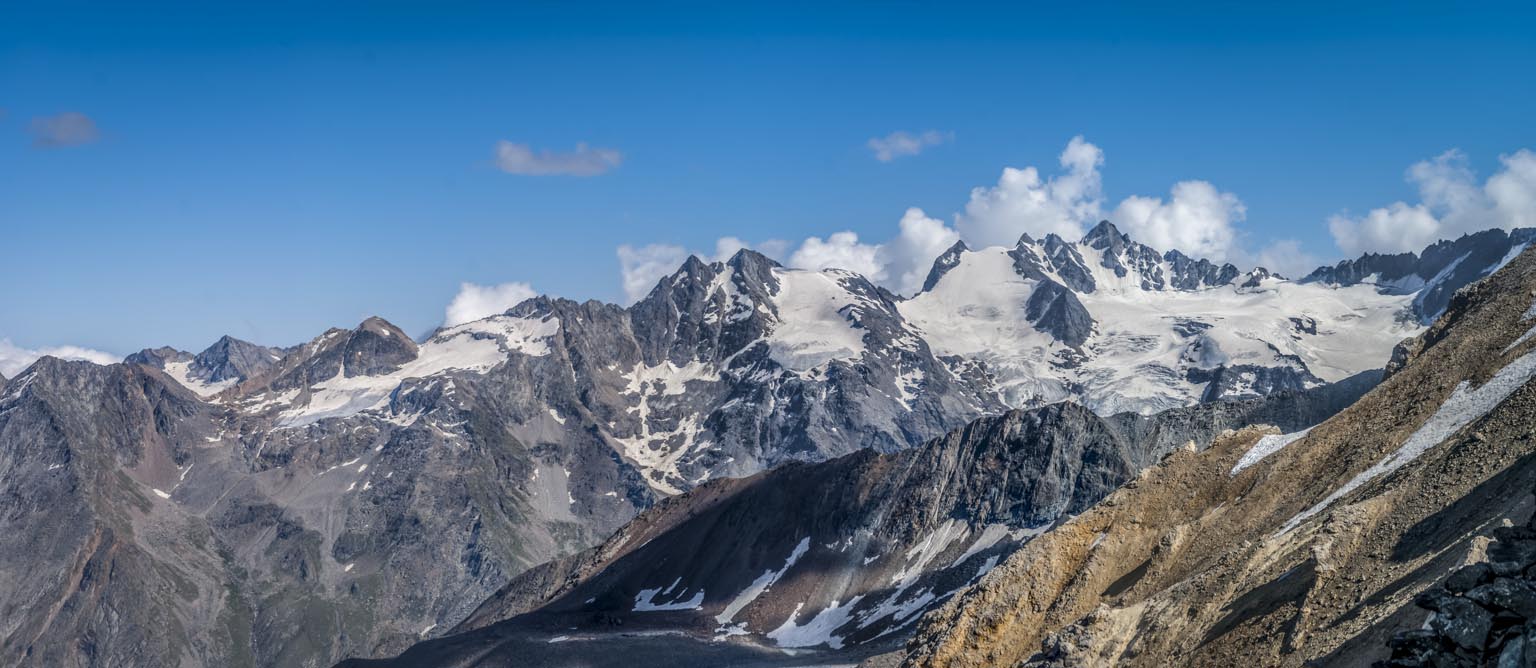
[
  {"x": 157, "y": 356},
  {"x": 692, "y": 266},
  {"x": 1105, "y": 233},
  {"x": 747, "y": 257},
  {"x": 1024, "y": 240},
  {"x": 376, "y": 323},
  {"x": 945, "y": 262}
]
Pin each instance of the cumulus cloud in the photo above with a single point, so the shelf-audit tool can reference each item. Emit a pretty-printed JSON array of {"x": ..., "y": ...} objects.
[
  {"x": 900, "y": 264},
  {"x": 1197, "y": 219},
  {"x": 1022, "y": 202},
  {"x": 586, "y": 160},
  {"x": 474, "y": 302},
  {"x": 642, "y": 267},
  {"x": 1451, "y": 203},
  {"x": 70, "y": 128},
  {"x": 14, "y": 359},
  {"x": 910, "y": 256},
  {"x": 841, "y": 250},
  {"x": 902, "y": 143},
  {"x": 1287, "y": 258}
]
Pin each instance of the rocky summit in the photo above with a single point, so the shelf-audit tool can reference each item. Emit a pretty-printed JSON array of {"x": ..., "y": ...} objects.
[{"x": 758, "y": 462}]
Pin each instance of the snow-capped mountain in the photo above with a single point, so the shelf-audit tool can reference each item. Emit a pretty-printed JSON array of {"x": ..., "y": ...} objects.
[
  {"x": 1118, "y": 326},
  {"x": 1434, "y": 275},
  {"x": 305, "y": 476},
  {"x": 728, "y": 368},
  {"x": 1342, "y": 545}
]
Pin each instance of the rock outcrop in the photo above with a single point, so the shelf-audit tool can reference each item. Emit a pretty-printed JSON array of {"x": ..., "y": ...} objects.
[{"x": 1482, "y": 615}]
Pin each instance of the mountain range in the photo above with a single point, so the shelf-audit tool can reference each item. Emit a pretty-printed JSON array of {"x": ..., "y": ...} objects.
[{"x": 351, "y": 495}]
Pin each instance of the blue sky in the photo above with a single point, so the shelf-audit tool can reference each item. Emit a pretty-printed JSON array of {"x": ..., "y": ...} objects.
[{"x": 271, "y": 170}]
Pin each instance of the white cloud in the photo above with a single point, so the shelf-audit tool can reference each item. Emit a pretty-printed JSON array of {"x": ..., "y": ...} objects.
[
  {"x": 1286, "y": 258},
  {"x": 1513, "y": 190},
  {"x": 902, "y": 143},
  {"x": 642, "y": 267},
  {"x": 474, "y": 302},
  {"x": 584, "y": 161},
  {"x": 15, "y": 359},
  {"x": 909, "y": 257},
  {"x": 1197, "y": 219},
  {"x": 1395, "y": 228},
  {"x": 1022, "y": 202},
  {"x": 1451, "y": 203},
  {"x": 841, "y": 250},
  {"x": 70, "y": 128},
  {"x": 900, "y": 264}
]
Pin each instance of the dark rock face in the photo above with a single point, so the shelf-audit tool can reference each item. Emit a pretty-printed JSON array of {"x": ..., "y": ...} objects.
[
  {"x": 374, "y": 348},
  {"x": 1055, "y": 310},
  {"x": 1248, "y": 380},
  {"x": 946, "y": 261},
  {"x": 1482, "y": 615},
  {"x": 1435, "y": 274},
  {"x": 846, "y": 553},
  {"x": 1068, "y": 263},
  {"x": 1388, "y": 268},
  {"x": 228, "y": 360}
]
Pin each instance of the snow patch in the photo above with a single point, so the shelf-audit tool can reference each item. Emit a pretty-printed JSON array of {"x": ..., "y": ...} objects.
[
  {"x": 925, "y": 551},
  {"x": 474, "y": 346},
  {"x": 1265, "y": 447},
  {"x": 1462, "y": 408},
  {"x": 181, "y": 372},
  {"x": 761, "y": 584},
  {"x": 989, "y": 537},
  {"x": 812, "y": 329},
  {"x": 644, "y": 602},
  {"x": 817, "y": 631}
]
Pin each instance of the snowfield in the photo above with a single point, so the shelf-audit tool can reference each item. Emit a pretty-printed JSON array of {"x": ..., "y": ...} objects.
[{"x": 1145, "y": 341}]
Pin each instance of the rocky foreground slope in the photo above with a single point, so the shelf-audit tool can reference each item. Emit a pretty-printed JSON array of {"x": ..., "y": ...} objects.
[
  {"x": 1304, "y": 549},
  {"x": 844, "y": 554}
]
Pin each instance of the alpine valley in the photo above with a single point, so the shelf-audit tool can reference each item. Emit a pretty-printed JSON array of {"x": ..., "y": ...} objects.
[{"x": 1057, "y": 453}]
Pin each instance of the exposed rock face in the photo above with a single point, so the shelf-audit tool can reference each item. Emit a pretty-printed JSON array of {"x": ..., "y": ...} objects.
[
  {"x": 175, "y": 531},
  {"x": 227, "y": 362},
  {"x": 846, "y": 553},
  {"x": 1306, "y": 549},
  {"x": 1433, "y": 275},
  {"x": 1483, "y": 614}
]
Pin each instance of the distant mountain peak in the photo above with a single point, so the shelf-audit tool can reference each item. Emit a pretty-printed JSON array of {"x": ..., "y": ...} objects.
[{"x": 1105, "y": 235}]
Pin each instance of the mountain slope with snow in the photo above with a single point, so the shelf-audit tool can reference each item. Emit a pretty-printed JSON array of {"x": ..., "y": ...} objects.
[
  {"x": 1301, "y": 550},
  {"x": 837, "y": 558},
  {"x": 1128, "y": 328}
]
